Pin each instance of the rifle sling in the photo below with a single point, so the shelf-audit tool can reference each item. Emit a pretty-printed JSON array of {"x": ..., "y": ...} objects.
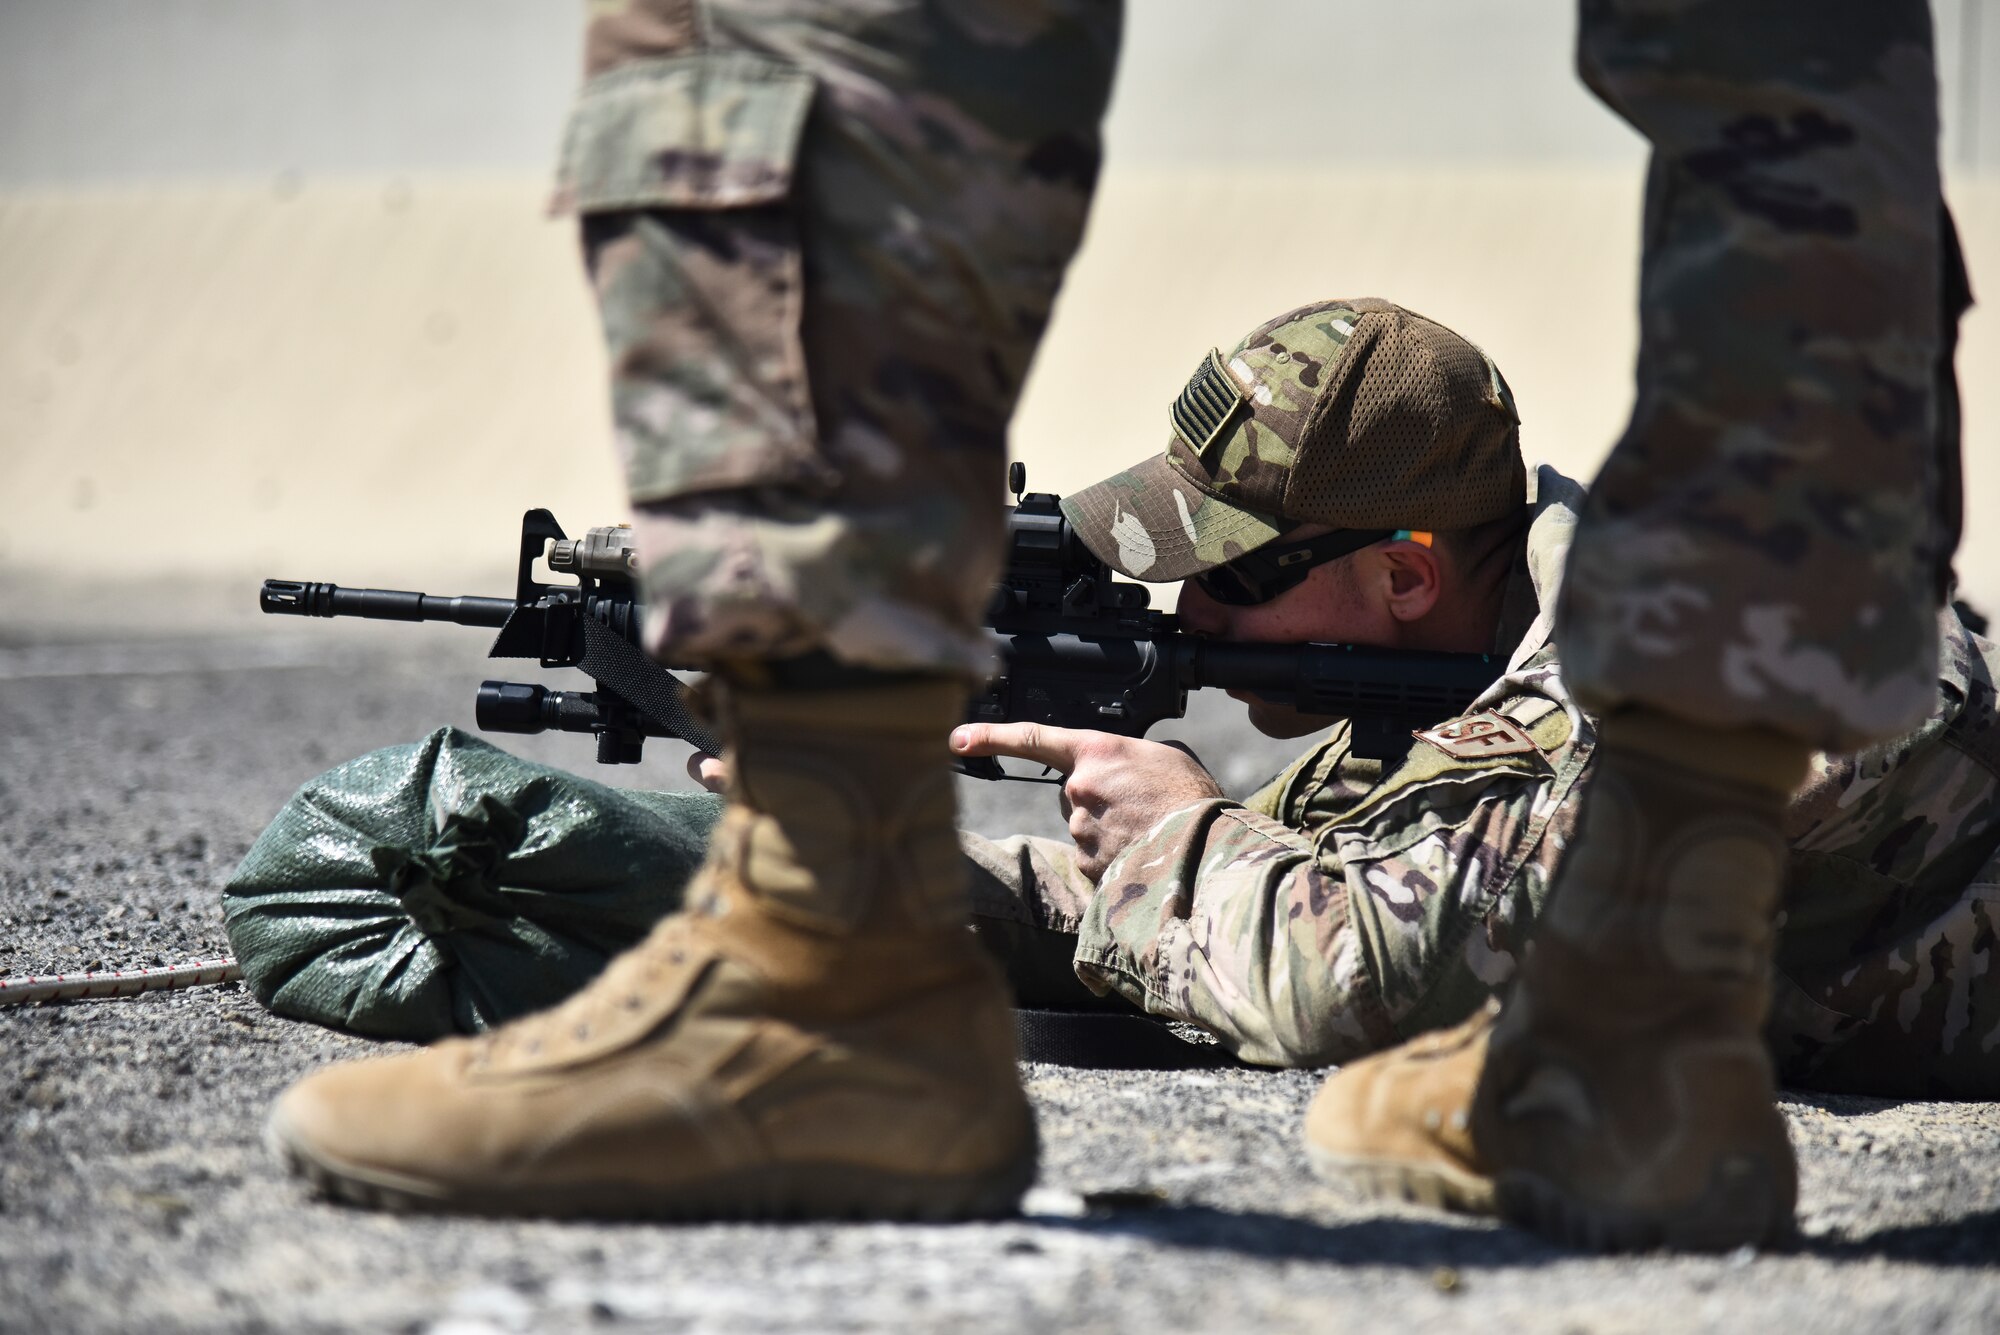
[{"x": 617, "y": 664}]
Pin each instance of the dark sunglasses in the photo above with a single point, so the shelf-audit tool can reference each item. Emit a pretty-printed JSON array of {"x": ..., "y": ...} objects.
[{"x": 1259, "y": 576}]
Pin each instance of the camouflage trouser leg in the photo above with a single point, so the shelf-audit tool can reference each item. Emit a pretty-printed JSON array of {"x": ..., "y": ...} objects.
[
  {"x": 825, "y": 240},
  {"x": 1028, "y": 900},
  {"x": 1886, "y": 977},
  {"x": 1762, "y": 548}
]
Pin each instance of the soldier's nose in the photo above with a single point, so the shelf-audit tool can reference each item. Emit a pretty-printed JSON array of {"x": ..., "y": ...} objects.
[{"x": 1199, "y": 613}]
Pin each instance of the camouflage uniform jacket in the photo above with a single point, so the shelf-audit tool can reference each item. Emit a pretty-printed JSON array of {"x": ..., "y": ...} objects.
[{"x": 1349, "y": 905}]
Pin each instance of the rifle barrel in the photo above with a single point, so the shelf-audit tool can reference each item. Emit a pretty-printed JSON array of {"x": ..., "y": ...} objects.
[{"x": 302, "y": 599}]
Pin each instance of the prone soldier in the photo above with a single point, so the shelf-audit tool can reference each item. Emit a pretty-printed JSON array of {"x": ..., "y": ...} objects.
[{"x": 1369, "y": 487}]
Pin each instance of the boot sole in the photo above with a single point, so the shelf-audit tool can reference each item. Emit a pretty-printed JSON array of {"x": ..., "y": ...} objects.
[
  {"x": 1438, "y": 1186},
  {"x": 1743, "y": 1206},
  {"x": 760, "y": 1192}
]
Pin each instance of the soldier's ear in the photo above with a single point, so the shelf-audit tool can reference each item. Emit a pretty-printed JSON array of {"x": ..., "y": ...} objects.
[{"x": 1412, "y": 580}]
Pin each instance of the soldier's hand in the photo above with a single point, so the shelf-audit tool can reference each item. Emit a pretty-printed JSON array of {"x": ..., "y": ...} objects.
[
  {"x": 708, "y": 771},
  {"x": 1114, "y": 788}
]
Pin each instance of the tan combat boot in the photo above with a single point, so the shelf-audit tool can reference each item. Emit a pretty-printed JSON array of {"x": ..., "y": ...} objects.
[
  {"x": 1398, "y": 1124},
  {"x": 817, "y": 1034},
  {"x": 1626, "y": 1097}
]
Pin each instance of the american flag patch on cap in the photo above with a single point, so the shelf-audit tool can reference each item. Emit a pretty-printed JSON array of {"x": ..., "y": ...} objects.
[{"x": 1211, "y": 398}]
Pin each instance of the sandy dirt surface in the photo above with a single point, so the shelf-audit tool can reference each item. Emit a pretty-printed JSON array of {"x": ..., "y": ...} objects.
[{"x": 135, "y": 1193}]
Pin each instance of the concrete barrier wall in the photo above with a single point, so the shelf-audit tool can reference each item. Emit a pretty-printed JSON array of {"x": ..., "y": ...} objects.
[{"x": 367, "y": 380}]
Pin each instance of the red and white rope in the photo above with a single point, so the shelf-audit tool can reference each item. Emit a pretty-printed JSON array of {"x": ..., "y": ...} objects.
[{"x": 116, "y": 983}]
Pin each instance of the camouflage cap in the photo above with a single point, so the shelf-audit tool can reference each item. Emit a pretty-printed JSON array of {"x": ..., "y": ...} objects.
[{"x": 1355, "y": 414}]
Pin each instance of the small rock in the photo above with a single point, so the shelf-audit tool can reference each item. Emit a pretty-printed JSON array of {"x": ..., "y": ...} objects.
[
  {"x": 164, "y": 1202},
  {"x": 1053, "y": 1202}
]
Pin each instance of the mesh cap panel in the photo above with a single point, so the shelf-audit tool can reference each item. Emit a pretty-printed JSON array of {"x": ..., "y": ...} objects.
[{"x": 1412, "y": 433}]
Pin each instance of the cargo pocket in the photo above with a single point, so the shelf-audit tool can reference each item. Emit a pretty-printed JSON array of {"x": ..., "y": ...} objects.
[
  {"x": 682, "y": 172},
  {"x": 1803, "y": 1032}
]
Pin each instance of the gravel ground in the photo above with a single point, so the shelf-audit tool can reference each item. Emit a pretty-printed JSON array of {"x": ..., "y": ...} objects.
[{"x": 134, "y": 1192}]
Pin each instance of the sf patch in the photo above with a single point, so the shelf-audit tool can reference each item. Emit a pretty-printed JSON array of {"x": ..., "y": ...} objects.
[{"x": 1477, "y": 735}]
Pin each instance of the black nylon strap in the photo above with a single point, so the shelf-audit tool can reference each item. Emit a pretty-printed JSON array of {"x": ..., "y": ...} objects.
[
  {"x": 655, "y": 692},
  {"x": 1108, "y": 1041}
]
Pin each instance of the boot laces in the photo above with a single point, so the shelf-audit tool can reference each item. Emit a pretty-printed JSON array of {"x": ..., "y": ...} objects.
[{"x": 626, "y": 986}]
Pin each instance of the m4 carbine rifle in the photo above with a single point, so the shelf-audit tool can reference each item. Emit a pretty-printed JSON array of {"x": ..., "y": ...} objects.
[{"x": 1077, "y": 648}]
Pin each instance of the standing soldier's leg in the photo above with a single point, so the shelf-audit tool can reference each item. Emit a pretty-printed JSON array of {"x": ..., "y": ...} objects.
[
  {"x": 1757, "y": 573},
  {"x": 825, "y": 240}
]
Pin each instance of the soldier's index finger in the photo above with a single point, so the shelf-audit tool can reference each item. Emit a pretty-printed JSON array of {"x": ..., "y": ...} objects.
[{"x": 1054, "y": 747}]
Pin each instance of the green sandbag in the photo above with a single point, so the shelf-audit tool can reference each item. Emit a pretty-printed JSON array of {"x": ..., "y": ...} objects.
[{"x": 445, "y": 887}]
